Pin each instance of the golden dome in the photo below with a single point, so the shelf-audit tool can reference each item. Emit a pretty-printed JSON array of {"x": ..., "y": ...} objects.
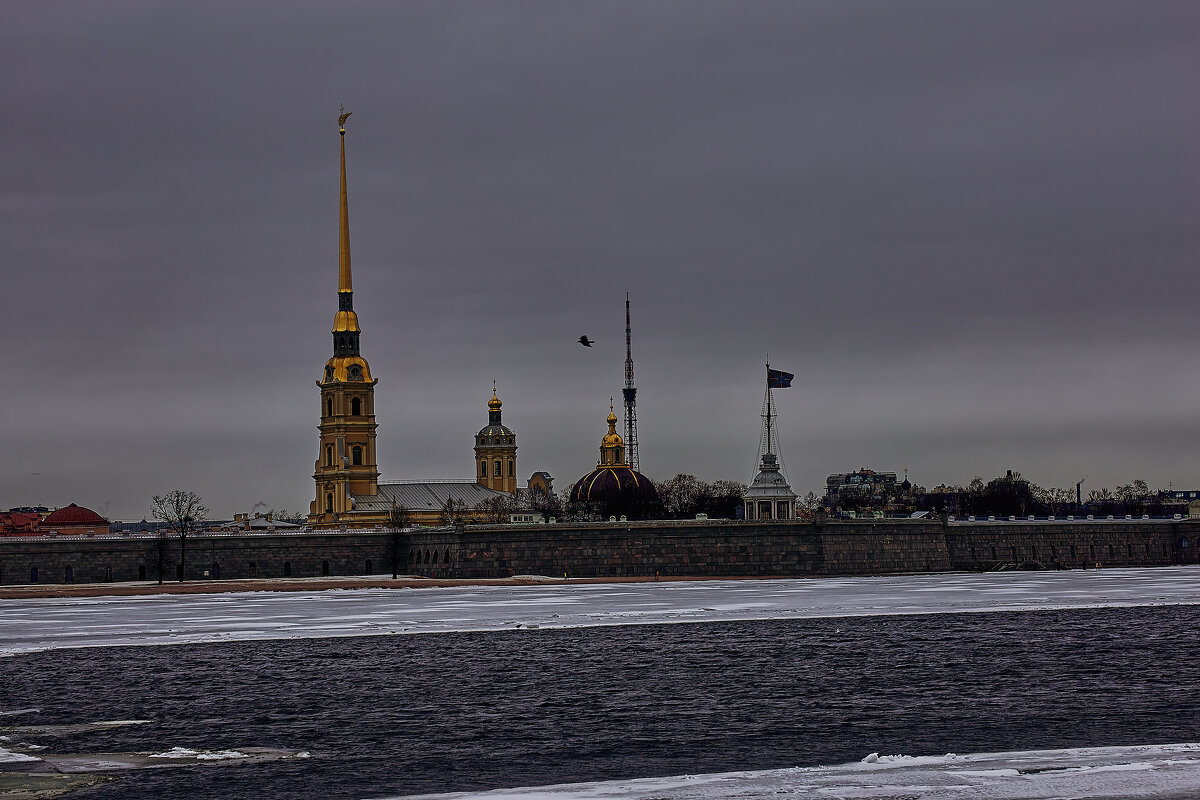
[
  {"x": 347, "y": 369},
  {"x": 612, "y": 446},
  {"x": 494, "y": 404},
  {"x": 345, "y": 321},
  {"x": 612, "y": 437}
]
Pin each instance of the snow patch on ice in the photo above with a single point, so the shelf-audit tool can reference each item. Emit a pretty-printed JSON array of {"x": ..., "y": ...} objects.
[
  {"x": 39, "y": 624},
  {"x": 1148, "y": 772},
  {"x": 199, "y": 755},
  {"x": 12, "y": 757}
]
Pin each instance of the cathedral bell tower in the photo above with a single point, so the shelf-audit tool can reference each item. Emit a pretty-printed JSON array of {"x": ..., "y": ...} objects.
[
  {"x": 346, "y": 464},
  {"x": 496, "y": 452}
]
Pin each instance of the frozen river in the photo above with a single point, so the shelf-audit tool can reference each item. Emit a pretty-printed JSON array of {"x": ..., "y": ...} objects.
[
  {"x": 28, "y": 625},
  {"x": 887, "y": 688}
]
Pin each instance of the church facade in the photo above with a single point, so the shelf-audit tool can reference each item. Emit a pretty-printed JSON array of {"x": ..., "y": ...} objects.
[
  {"x": 614, "y": 488},
  {"x": 348, "y": 493},
  {"x": 496, "y": 452},
  {"x": 346, "y": 460}
]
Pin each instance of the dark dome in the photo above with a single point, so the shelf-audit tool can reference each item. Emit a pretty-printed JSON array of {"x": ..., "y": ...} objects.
[
  {"x": 495, "y": 430},
  {"x": 617, "y": 490},
  {"x": 73, "y": 516}
]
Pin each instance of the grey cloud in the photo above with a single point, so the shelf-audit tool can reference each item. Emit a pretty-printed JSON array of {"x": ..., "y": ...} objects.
[{"x": 969, "y": 228}]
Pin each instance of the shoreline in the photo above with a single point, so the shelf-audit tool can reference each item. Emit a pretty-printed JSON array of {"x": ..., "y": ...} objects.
[{"x": 142, "y": 588}]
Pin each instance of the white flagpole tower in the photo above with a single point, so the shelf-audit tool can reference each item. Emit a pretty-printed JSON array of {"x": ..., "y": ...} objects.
[{"x": 769, "y": 496}]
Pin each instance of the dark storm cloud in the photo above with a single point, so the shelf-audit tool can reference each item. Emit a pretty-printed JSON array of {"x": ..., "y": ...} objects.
[{"x": 969, "y": 229}]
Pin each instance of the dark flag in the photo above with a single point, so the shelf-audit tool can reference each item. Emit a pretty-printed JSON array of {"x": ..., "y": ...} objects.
[{"x": 778, "y": 379}]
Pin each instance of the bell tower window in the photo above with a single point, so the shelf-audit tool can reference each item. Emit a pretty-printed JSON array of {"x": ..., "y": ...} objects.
[
  {"x": 483, "y": 469},
  {"x": 356, "y": 456},
  {"x": 329, "y": 455},
  {"x": 329, "y": 406},
  {"x": 499, "y": 470},
  {"x": 512, "y": 468},
  {"x": 329, "y": 503},
  {"x": 356, "y": 407}
]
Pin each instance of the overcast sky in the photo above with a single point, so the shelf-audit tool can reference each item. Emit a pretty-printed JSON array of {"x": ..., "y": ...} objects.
[{"x": 970, "y": 229}]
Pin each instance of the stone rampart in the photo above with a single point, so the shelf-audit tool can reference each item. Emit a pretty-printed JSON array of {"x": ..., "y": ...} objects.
[
  {"x": 710, "y": 548},
  {"x": 1113, "y": 543},
  {"x": 87, "y": 559}
]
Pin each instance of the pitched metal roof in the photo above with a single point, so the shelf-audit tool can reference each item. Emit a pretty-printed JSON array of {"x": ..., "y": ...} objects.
[{"x": 427, "y": 495}]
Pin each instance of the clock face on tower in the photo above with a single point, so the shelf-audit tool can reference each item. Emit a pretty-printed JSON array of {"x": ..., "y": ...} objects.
[{"x": 356, "y": 373}]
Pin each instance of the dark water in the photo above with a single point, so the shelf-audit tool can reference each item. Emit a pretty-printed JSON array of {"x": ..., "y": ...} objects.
[{"x": 450, "y": 712}]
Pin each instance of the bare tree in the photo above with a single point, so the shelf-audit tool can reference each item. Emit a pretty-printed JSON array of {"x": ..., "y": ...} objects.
[
  {"x": 1058, "y": 501},
  {"x": 723, "y": 498},
  {"x": 156, "y": 553},
  {"x": 496, "y": 508},
  {"x": 544, "y": 503},
  {"x": 453, "y": 511},
  {"x": 679, "y": 495},
  {"x": 1134, "y": 496},
  {"x": 398, "y": 522},
  {"x": 183, "y": 511}
]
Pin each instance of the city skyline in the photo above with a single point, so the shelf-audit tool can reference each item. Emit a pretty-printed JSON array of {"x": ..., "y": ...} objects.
[{"x": 966, "y": 230}]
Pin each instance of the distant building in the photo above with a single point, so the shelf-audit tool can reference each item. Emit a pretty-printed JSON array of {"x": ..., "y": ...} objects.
[
  {"x": 769, "y": 495},
  {"x": 259, "y": 523},
  {"x": 431, "y": 502},
  {"x": 348, "y": 492},
  {"x": 21, "y": 521},
  {"x": 862, "y": 480},
  {"x": 1180, "y": 501},
  {"x": 73, "y": 520},
  {"x": 616, "y": 488},
  {"x": 496, "y": 452},
  {"x": 541, "y": 481}
]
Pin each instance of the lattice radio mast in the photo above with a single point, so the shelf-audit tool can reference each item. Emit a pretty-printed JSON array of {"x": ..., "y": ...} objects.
[{"x": 630, "y": 393}]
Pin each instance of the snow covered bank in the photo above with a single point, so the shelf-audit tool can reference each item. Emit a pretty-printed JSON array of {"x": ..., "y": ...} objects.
[
  {"x": 29, "y": 625},
  {"x": 1120, "y": 773}
]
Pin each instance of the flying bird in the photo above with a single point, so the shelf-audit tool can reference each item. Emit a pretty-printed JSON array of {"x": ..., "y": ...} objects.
[{"x": 585, "y": 341}]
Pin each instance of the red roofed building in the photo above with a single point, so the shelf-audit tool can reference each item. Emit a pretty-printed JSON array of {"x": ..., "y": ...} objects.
[
  {"x": 73, "y": 519},
  {"x": 19, "y": 523}
]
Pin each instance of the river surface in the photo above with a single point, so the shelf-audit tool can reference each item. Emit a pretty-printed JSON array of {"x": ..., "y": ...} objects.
[{"x": 468, "y": 711}]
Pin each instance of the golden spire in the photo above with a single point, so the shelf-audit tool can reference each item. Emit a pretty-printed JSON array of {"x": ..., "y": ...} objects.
[
  {"x": 612, "y": 447},
  {"x": 344, "y": 282},
  {"x": 494, "y": 404}
]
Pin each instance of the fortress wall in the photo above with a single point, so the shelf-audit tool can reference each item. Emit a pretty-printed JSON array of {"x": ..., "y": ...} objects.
[
  {"x": 118, "y": 558},
  {"x": 693, "y": 548},
  {"x": 1111, "y": 543},
  {"x": 709, "y": 548}
]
